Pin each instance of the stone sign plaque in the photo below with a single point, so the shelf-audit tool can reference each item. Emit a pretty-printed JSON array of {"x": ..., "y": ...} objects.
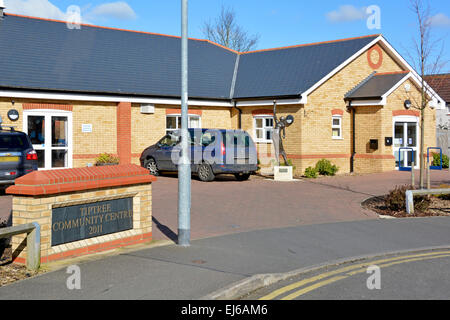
[{"x": 78, "y": 222}]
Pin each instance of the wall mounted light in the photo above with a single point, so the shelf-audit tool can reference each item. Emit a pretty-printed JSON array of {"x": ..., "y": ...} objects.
[{"x": 407, "y": 104}]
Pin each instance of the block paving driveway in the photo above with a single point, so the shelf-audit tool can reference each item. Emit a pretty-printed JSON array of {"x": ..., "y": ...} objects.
[{"x": 227, "y": 206}]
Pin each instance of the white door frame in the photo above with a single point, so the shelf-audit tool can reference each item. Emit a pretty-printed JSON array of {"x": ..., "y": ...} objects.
[
  {"x": 409, "y": 119},
  {"x": 47, "y": 114}
]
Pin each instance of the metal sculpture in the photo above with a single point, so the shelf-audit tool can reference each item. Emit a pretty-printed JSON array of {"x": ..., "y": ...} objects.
[{"x": 279, "y": 133}]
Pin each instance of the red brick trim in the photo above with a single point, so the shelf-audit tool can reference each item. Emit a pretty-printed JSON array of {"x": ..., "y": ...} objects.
[
  {"x": 414, "y": 113},
  {"x": 178, "y": 111},
  {"x": 32, "y": 106},
  {"x": 261, "y": 112},
  {"x": 337, "y": 112},
  {"x": 374, "y": 156},
  {"x": 69, "y": 180},
  {"x": 96, "y": 248},
  {"x": 369, "y": 58},
  {"x": 124, "y": 132}
]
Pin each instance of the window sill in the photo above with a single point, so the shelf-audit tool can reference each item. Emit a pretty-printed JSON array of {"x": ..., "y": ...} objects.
[
  {"x": 337, "y": 138},
  {"x": 263, "y": 141}
]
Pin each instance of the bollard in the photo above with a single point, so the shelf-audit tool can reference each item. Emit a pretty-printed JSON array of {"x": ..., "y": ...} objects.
[
  {"x": 34, "y": 248},
  {"x": 409, "y": 202}
]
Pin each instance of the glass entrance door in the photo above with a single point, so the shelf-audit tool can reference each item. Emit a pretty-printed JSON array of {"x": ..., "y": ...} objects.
[
  {"x": 50, "y": 134},
  {"x": 405, "y": 136}
]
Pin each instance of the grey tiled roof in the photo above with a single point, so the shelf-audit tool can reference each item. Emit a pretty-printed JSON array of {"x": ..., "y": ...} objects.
[
  {"x": 46, "y": 55},
  {"x": 40, "y": 54},
  {"x": 292, "y": 71}
]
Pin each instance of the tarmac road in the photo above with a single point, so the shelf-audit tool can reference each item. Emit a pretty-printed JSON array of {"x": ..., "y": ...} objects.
[{"x": 421, "y": 275}]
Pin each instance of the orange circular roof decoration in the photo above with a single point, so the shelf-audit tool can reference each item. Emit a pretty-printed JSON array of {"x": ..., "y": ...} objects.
[{"x": 375, "y": 57}]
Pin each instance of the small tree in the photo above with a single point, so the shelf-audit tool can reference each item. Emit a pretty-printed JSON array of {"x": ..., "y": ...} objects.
[
  {"x": 225, "y": 31},
  {"x": 426, "y": 59}
]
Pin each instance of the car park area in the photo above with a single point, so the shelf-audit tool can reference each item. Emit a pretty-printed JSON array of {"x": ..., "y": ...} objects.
[{"x": 226, "y": 206}]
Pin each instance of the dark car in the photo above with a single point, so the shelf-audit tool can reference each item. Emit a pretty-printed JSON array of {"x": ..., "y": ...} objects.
[
  {"x": 17, "y": 156},
  {"x": 212, "y": 152}
]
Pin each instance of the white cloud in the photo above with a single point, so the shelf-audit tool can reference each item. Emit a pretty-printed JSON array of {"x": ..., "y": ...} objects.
[
  {"x": 45, "y": 9},
  {"x": 35, "y": 8},
  {"x": 440, "y": 20},
  {"x": 116, "y": 10},
  {"x": 347, "y": 13}
]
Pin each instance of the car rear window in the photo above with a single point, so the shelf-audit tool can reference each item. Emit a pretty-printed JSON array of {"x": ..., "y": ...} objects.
[
  {"x": 240, "y": 139},
  {"x": 14, "y": 142}
]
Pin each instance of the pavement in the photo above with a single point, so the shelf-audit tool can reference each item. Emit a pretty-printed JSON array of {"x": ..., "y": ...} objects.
[
  {"x": 224, "y": 263},
  {"x": 246, "y": 234}
]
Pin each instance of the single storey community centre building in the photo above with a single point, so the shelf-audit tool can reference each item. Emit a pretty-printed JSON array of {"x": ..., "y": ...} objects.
[{"x": 82, "y": 92}]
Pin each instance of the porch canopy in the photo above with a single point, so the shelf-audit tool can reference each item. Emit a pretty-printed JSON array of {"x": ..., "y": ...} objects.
[{"x": 377, "y": 86}]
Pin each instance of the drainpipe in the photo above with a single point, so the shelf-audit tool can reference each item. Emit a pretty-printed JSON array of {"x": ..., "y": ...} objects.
[
  {"x": 352, "y": 159},
  {"x": 240, "y": 115}
]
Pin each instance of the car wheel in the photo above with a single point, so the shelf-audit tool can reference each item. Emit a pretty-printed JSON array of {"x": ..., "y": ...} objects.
[
  {"x": 151, "y": 166},
  {"x": 242, "y": 176},
  {"x": 205, "y": 172}
]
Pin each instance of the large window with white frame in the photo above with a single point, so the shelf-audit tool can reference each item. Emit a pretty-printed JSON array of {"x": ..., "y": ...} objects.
[
  {"x": 336, "y": 127},
  {"x": 173, "y": 122},
  {"x": 263, "y": 128},
  {"x": 50, "y": 132}
]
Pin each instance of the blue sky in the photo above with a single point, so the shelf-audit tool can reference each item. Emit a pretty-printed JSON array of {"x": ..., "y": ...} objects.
[{"x": 278, "y": 23}]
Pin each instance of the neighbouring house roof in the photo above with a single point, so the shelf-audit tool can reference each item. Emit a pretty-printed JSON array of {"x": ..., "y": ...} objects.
[
  {"x": 46, "y": 55},
  {"x": 376, "y": 85},
  {"x": 441, "y": 84}
]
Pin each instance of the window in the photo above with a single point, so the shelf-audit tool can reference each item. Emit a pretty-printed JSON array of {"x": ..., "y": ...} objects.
[
  {"x": 169, "y": 141},
  {"x": 173, "y": 122},
  {"x": 263, "y": 128},
  {"x": 336, "y": 127}
]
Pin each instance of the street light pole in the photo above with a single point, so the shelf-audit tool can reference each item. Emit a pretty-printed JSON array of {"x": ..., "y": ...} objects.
[{"x": 184, "y": 164}]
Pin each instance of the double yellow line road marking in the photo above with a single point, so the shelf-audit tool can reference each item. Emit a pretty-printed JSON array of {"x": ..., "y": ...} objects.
[{"x": 345, "y": 272}]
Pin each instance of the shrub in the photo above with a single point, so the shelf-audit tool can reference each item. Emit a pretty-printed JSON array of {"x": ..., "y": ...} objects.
[
  {"x": 396, "y": 199},
  {"x": 437, "y": 160},
  {"x": 326, "y": 168},
  {"x": 311, "y": 172},
  {"x": 106, "y": 158}
]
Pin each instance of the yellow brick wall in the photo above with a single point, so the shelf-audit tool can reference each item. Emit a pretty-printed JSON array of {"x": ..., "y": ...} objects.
[
  {"x": 5, "y": 106},
  {"x": 102, "y": 139}
]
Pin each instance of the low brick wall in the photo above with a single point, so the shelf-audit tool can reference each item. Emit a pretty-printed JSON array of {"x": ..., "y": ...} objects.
[{"x": 37, "y": 195}]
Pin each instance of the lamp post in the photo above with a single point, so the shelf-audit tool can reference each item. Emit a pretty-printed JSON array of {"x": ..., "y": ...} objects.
[{"x": 184, "y": 164}]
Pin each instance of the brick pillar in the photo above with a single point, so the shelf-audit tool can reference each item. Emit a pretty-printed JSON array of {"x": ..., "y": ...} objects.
[{"x": 124, "y": 132}]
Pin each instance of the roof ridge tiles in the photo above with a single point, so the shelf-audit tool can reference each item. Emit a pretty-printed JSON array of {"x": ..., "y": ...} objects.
[
  {"x": 196, "y": 39},
  {"x": 313, "y": 43}
]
